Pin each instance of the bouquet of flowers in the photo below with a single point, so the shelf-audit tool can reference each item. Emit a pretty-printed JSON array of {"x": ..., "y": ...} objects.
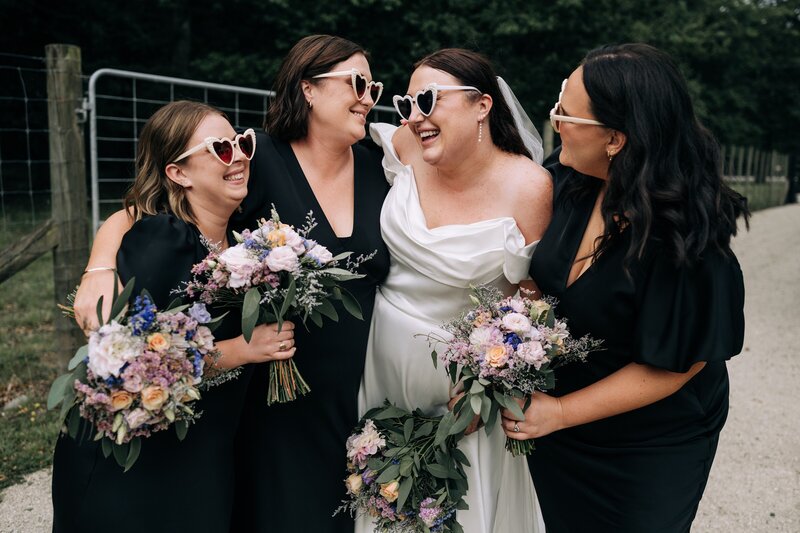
[
  {"x": 273, "y": 273},
  {"x": 501, "y": 351},
  {"x": 405, "y": 472},
  {"x": 140, "y": 373}
]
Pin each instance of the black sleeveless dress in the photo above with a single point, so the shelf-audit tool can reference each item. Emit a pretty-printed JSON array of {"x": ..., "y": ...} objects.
[
  {"x": 644, "y": 470},
  {"x": 175, "y": 485},
  {"x": 292, "y": 455}
]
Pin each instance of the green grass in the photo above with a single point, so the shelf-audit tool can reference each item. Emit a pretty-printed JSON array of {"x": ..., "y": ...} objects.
[
  {"x": 762, "y": 195},
  {"x": 28, "y": 364}
]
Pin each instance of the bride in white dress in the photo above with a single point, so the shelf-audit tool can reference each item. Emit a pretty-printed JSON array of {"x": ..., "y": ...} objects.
[{"x": 466, "y": 207}]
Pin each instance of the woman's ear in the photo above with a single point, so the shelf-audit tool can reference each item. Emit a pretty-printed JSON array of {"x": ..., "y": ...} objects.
[
  {"x": 616, "y": 142},
  {"x": 308, "y": 92},
  {"x": 175, "y": 173},
  {"x": 484, "y": 106}
]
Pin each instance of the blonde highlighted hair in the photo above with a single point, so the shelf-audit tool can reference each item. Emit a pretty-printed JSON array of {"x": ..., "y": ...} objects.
[{"x": 164, "y": 137}]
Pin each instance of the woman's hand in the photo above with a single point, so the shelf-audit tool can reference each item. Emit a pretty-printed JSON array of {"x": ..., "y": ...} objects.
[
  {"x": 93, "y": 285},
  {"x": 476, "y": 420},
  {"x": 266, "y": 344},
  {"x": 543, "y": 416}
]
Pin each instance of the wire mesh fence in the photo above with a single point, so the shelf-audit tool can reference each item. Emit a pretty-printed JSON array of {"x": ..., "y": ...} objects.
[
  {"x": 24, "y": 144},
  {"x": 118, "y": 104}
]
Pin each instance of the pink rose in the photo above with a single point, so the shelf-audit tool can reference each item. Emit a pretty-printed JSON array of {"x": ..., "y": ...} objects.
[
  {"x": 282, "y": 258},
  {"x": 240, "y": 263}
]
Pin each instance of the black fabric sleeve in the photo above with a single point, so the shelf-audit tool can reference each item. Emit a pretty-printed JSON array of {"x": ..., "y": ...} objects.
[
  {"x": 689, "y": 314},
  {"x": 159, "y": 252}
]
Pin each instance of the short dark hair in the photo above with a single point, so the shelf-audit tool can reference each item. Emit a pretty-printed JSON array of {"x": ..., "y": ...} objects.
[
  {"x": 666, "y": 182},
  {"x": 287, "y": 115},
  {"x": 472, "y": 68}
]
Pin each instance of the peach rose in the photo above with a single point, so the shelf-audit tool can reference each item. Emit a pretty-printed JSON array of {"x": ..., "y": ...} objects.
[
  {"x": 354, "y": 483},
  {"x": 276, "y": 237},
  {"x": 158, "y": 342},
  {"x": 496, "y": 356},
  {"x": 121, "y": 400},
  {"x": 390, "y": 491},
  {"x": 153, "y": 397}
]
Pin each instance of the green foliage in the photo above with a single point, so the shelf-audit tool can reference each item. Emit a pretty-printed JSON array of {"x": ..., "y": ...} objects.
[
  {"x": 28, "y": 363},
  {"x": 741, "y": 57}
]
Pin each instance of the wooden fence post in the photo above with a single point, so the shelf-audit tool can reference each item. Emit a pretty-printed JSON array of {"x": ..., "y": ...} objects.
[{"x": 67, "y": 183}]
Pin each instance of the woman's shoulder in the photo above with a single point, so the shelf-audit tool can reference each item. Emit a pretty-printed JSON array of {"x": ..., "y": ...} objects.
[{"x": 163, "y": 232}]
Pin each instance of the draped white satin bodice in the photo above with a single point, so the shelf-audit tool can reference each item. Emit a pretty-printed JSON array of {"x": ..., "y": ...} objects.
[{"x": 430, "y": 276}]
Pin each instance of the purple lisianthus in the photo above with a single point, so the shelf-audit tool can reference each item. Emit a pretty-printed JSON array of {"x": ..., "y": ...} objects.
[{"x": 199, "y": 312}]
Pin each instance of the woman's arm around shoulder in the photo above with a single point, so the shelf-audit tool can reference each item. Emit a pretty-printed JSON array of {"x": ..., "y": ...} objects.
[{"x": 99, "y": 277}]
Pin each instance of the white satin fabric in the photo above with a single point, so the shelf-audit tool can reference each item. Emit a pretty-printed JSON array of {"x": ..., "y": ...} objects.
[{"x": 429, "y": 283}]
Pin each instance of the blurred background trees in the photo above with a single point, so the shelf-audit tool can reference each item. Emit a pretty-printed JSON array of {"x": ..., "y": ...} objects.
[{"x": 741, "y": 57}]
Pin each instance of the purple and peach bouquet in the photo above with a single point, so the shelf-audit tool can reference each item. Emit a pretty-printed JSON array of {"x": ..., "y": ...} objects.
[
  {"x": 501, "y": 351},
  {"x": 140, "y": 373},
  {"x": 273, "y": 273},
  {"x": 405, "y": 473}
]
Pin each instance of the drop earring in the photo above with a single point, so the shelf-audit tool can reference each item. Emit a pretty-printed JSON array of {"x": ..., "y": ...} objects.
[{"x": 480, "y": 130}]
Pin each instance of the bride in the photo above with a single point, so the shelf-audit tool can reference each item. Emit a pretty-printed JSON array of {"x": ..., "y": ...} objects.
[{"x": 467, "y": 206}]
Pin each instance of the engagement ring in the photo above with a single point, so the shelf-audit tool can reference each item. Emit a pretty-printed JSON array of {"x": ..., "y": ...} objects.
[{"x": 516, "y": 427}]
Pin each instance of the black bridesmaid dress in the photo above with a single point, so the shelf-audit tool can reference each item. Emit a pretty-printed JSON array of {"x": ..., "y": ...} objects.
[
  {"x": 644, "y": 470},
  {"x": 292, "y": 455},
  {"x": 175, "y": 485}
]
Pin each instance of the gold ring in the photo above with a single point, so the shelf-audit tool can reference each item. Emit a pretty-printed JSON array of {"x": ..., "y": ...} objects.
[{"x": 282, "y": 346}]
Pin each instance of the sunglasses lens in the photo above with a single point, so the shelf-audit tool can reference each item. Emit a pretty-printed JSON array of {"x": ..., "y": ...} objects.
[
  {"x": 425, "y": 102},
  {"x": 404, "y": 108},
  {"x": 375, "y": 93},
  {"x": 224, "y": 150},
  {"x": 246, "y": 146},
  {"x": 360, "y": 85}
]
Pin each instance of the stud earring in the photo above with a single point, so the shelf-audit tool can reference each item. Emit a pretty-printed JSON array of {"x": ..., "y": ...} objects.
[{"x": 480, "y": 131}]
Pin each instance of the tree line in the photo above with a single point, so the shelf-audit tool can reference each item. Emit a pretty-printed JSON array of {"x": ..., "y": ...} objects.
[{"x": 741, "y": 57}]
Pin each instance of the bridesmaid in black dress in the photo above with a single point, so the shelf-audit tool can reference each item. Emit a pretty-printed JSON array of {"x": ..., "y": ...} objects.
[
  {"x": 637, "y": 254},
  {"x": 292, "y": 454},
  {"x": 175, "y": 200}
]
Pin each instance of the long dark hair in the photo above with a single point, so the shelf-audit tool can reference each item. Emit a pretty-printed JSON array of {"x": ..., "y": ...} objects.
[
  {"x": 287, "y": 115},
  {"x": 666, "y": 182},
  {"x": 472, "y": 68}
]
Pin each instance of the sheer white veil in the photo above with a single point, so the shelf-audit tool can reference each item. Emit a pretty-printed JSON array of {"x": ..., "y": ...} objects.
[{"x": 530, "y": 136}]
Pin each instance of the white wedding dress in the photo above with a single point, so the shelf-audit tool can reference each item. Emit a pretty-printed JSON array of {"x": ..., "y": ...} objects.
[{"x": 428, "y": 284}]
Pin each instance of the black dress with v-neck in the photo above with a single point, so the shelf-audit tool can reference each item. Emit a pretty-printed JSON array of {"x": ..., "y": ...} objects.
[
  {"x": 644, "y": 470},
  {"x": 292, "y": 455}
]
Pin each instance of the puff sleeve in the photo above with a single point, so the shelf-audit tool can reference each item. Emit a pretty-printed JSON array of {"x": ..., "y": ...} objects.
[{"x": 689, "y": 314}]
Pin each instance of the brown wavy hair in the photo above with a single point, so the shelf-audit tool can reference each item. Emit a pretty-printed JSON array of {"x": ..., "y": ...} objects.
[
  {"x": 287, "y": 115},
  {"x": 164, "y": 137}
]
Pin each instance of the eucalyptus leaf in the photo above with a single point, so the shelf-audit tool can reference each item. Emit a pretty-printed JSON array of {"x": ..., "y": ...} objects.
[
  {"x": 316, "y": 318},
  {"x": 99, "y": 310},
  {"x": 58, "y": 389},
  {"x": 250, "y": 309},
  {"x": 80, "y": 355},
  {"x": 73, "y": 422},
  {"x": 121, "y": 453},
  {"x": 351, "y": 305},
  {"x": 435, "y": 358},
  {"x": 327, "y": 309},
  {"x": 476, "y": 387},
  {"x": 437, "y": 470},
  {"x": 408, "y": 429},
  {"x": 133, "y": 453},
  {"x": 118, "y": 306},
  {"x": 181, "y": 429},
  {"x": 106, "y": 446},
  {"x": 443, "y": 430},
  {"x": 424, "y": 430},
  {"x": 402, "y": 495},
  {"x": 391, "y": 473},
  {"x": 475, "y": 403},
  {"x": 290, "y": 295},
  {"x": 343, "y": 255}
]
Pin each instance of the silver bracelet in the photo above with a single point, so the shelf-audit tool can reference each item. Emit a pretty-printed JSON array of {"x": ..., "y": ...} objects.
[{"x": 97, "y": 269}]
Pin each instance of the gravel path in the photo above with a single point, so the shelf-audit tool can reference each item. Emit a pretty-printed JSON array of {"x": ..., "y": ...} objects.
[{"x": 755, "y": 480}]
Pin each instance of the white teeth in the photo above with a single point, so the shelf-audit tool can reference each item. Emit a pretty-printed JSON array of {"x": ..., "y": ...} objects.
[
  {"x": 356, "y": 113},
  {"x": 234, "y": 177},
  {"x": 426, "y": 134}
]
